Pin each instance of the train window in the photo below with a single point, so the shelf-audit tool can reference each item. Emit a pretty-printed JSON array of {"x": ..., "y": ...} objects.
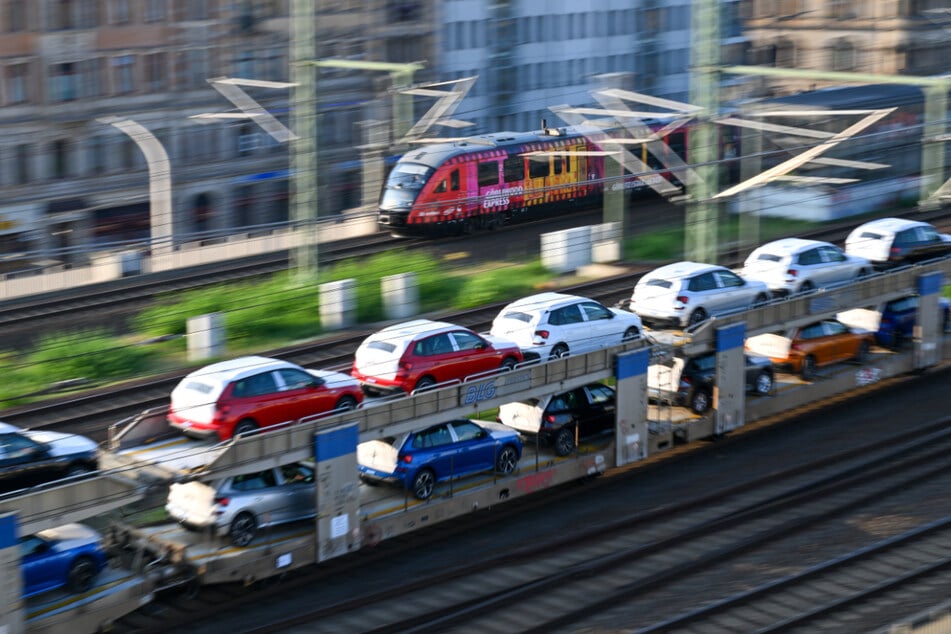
[
  {"x": 513, "y": 169},
  {"x": 567, "y": 163},
  {"x": 441, "y": 187},
  {"x": 454, "y": 181},
  {"x": 488, "y": 173},
  {"x": 539, "y": 167},
  {"x": 556, "y": 161},
  {"x": 676, "y": 141}
]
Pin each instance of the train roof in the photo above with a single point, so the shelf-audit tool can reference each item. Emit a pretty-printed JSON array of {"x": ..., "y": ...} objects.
[
  {"x": 855, "y": 97},
  {"x": 435, "y": 154}
]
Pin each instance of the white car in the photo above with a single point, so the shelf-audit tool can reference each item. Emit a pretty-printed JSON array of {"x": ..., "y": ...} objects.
[
  {"x": 553, "y": 325},
  {"x": 892, "y": 241},
  {"x": 797, "y": 265},
  {"x": 687, "y": 293}
]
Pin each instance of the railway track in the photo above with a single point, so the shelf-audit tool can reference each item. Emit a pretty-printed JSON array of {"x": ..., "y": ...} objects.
[{"x": 682, "y": 558}]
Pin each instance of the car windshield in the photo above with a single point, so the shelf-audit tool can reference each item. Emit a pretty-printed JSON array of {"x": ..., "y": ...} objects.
[
  {"x": 871, "y": 236},
  {"x": 408, "y": 176},
  {"x": 200, "y": 387},
  {"x": 659, "y": 282},
  {"x": 769, "y": 257}
]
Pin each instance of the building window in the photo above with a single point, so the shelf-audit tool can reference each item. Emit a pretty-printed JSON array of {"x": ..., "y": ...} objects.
[
  {"x": 120, "y": 12},
  {"x": 155, "y": 11},
  {"x": 90, "y": 73},
  {"x": 785, "y": 54},
  {"x": 123, "y": 75},
  {"x": 155, "y": 72},
  {"x": 60, "y": 166},
  {"x": 841, "y": 9},
  {"x": 196, "y": 10},
  {"x": 97, "y": 155},
  {"x": 248, "y": 140},
  {"x": 23, "y": 171},
  {"x": 843, "y": 56},
  {"x": 244, "y": 65},
  {"x": 16, "y": 16},
  {"x": 16, "y": 77},
  {"x": 196, "y": 68},
  {"x": 64, "y": 82},
  {"x": 88, "y": 14},
  {"x": 61, "y": 15},
  {"x": 127, "y": 153}
]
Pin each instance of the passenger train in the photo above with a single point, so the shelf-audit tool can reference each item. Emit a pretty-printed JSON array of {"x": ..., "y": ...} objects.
[{"x": 482, "y": 182}]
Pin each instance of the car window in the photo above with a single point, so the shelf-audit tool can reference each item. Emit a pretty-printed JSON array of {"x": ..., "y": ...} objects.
[
  {"x": 870, "y": 235},
  {"x": 904, "y": 238},
  {"x": 468, "y": 341},
  {"x": 294, "y": 379},
  {"x": 812, "y": 331},
  {"x": 659, "y": 282},
  {"x": 198, "y": 386},
  {"x": 594, "y": 311},
  {"x": 385, "y": 346},
  {"x": 835, "y": 328},
  {"x": 832, "y": 254},
  {"x": 466, "y": 430},
  {"x": 519, "y": 316},
  {"x": 728, "y": 279},
  {"x": 30, "y": 545},
  {"x": 704, "y": 282},
  {"x": 296, "y": 473},
  {"x": 433, "y": 437},
  {"x": 706, "y": 363},
  {"x": 14, "y": 446},
  {"x": 254, "y": 481},
  {"x": 566, "y": 315},
  {"x": 437, "y": 344},
  {"x": 810, "y": 257},
  {"x": 600, "y": 394},
  {"x": 928, "y": 234},
  {"x": 256, "y": 385},
  {"x": 558, "y": 404},
  {"x": 769, "y": 257}
]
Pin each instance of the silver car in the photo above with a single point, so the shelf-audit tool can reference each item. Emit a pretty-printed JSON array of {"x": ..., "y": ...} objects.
[
  {"x": 687, "y": 293},
  {"x": 240, "y": 505},
  {"x": 797, "y": 265}
]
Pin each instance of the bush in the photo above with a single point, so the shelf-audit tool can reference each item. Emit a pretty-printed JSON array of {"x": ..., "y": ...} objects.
[{"x": 91, "y": 354}]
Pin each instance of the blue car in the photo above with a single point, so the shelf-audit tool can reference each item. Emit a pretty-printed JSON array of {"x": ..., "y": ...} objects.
[
  {"x": 69, "y": 556},
  {"x": 897, "y": 323},
  {"x": 456, "y": 448}
]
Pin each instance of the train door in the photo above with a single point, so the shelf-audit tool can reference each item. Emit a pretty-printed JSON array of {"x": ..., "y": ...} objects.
[
  {"x": 447, "y": 196},
  {"x": 539, "y": 169},
  {"x": 492, "y": 196}
]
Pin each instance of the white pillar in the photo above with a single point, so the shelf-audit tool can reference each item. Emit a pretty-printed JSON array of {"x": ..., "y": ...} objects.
[
  {"x": 206, "y": 336},
  {"x": 400, "y": 295},
  {"x": 338, "y": 304}
]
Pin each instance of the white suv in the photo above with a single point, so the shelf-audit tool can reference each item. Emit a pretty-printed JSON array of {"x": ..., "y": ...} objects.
[
  {"x": 797, "y": 265},
  {"x": 893, "y": 241},
  {"x": 687, "y": 293},
  {"x": 552, "y": 325}
]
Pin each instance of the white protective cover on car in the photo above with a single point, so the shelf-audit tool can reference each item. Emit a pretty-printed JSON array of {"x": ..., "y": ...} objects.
[
  {"x": 379, "y": 355},
  {"x": 523, "y": 416},
  {"x": 377, "y": 454},
  {"x": 664, "y": 377},
  {"x": 861, "y": 319},
  {"x": 191, "y": 502},
  {"x": 769, "y": 345},
  {"x": 194, "y": 398}
]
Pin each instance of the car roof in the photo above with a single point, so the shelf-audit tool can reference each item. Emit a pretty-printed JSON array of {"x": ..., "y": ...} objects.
[
  {"x": 541, "y": 301},
  {"x": 890, "y": 225},
  {"x": 233, "y": 369},
  {"x": 682, "y": 269},
  {"x": 415, "y": 328},
  {"x": 789, "y": 246}
]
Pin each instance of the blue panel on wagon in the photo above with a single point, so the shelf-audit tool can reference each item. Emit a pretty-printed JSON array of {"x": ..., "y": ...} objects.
[
  {"x": 632, "y": 363},
  {"x": 339, "y": 442}
]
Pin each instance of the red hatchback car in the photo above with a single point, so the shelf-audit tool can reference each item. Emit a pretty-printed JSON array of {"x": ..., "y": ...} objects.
[
  {"x": 419, "y": 354},
  {"x": 248, "y": 393}
]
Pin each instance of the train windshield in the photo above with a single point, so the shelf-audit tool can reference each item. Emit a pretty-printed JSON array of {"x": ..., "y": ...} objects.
[{"x": 403, "y": 184}]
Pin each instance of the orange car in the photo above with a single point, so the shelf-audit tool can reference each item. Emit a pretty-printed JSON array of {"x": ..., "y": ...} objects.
[{"x": 808, "y": 347}]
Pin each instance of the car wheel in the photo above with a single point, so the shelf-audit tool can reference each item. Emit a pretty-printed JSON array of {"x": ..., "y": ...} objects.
[
  {"x": 507, "y": 460},
  {"x": 808, "y": 368},
  {"x": 861, "y": 355},
  {"x": 244, "y": 427},
  {"x": 763, "y": 384},
  {"x": 346, "y": 403},
  {"x": 81, "y": 575},
  {"x": 697, "y": 316},
  {"x": 508, "y": 364},
  {"x": 564, "y": 442},
  {"x": 700, "y": 401},
  {"x": 631, "y": 334},
  {"x": 423, "y": 484},
  {"x": 425, "y": 383},
  {"x": 243, "y": 529},
  {"x": 806, "y": 287},
  {"x": 560, "y": 350},
  {"x": 863, "y": 273}
]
